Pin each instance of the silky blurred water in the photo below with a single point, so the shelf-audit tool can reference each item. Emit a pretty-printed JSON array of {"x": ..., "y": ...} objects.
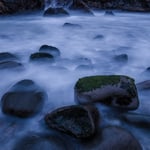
[{"x": 124, "y": 33}]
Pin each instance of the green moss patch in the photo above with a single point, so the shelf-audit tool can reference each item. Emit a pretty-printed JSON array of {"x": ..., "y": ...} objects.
[{"x": 93, "y": 82}]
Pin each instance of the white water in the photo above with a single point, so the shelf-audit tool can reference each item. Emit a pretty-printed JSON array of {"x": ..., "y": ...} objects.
[{"x": 23, "y": 35}]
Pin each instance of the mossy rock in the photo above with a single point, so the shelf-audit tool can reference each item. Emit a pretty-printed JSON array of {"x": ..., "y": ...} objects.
[{"x": 115, "y": 90}]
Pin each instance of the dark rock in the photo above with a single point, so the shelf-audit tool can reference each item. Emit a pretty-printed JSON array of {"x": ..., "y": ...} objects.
[
  {"x": 145, "y": 85},
  {"x": 6, "y": 56},
  {"x": 73, "y": 120},
  {"x": 55, "y": 52},
  {"x": 109, "y": 13},
  {"x": 112, "y": 138},
  {"x": 114, "y": 90},
  {"x": 71, "y": 25},
  {"x": 84, "y": 67},
  {"x": 10, "y": 65},
  {"x": 24, "y": 99},
  {"x": 80, "y": 6},
  {"x": 56, "y": 12},
  {"x": 121, "y": 58},
  {"x": 38, "y": 141},
  {"x": 17, "y": 6},
  {"x": 98, "y": 37},
  {"x": 129, "y": 5},
  {"x": 42, "y": 56}
]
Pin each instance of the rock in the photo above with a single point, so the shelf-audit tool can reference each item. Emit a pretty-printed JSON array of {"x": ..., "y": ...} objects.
[
  {"x": 10, "y": 65},
  {"x": 6, "y": 56},
  {"x": 98, "y": 37},
  {"x": 145, "y": 85},
  {"x": 112, "y": 138},
  {"x": 138, "y": 120},
  {"x": 17, "y": 6},
  {"x": 38, "y": 141},
  {"x": 73, "y": 120},
  {"x": 80, "y": 6},
  {"x": 135, "y": 5},
  {"x": 71, "y": 25},
  {"x": 56, "y": 12},
  {"x": 84, "y": 67},
  {"x": 55, "y": 52},
  {"x": 121, "y": 58},
  {"x": 115, "y": 90},
  {"x": 24, "y": 99},
  {"x": 109, "y": 13},
  {"x": 42, "y": 56}
]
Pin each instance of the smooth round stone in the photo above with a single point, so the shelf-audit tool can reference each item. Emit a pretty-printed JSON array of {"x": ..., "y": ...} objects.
[
  {"x": 74, "y": 120},
  {"x": 55, "y": 52},
  {"x": 24, "y": 99}
]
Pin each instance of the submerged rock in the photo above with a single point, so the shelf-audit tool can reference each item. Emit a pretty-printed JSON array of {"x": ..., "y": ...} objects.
[
  {"x": 71, "y": 25},
  {"x": 55, "y": 52},
  {"x": 114, "y": 90},
  {"x": 98, "y": 37},
  {"x": 121, "y": 58},
  {"x": 10, "y": 65},
  {"x": 42, "y": 56},
  {"x": 24, "y": 99},
  {"x": 112, "y": 138},
  {"x": 73, "y": 120},
  {"x": 38, "y": 141},
  {"x": 6, "y": 56},
  {"x": 56, "y": 12},
  {"x": 145, "y": 85},
  {"x": 109, "y": 13}
]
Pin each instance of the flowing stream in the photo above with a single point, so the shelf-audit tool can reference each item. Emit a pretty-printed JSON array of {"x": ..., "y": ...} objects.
[{"x": 124, "y": 33}]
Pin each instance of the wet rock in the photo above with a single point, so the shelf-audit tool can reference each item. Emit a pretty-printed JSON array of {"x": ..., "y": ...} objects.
[
  {"x": 98, "y": 37},
  {"x": 80, "y": 6},
  {"x": 73, "y": 120},
  {"x": 42, "y": 57},
  {"x": 84, "y": 67},
  {"x": 55, "y": 52},
  {"x": 145, "y": 85},
  {"x": 138, "y": 120},
  {"x": 15, "y": 6},
  {"x": 112, "y": 138},
  {"x": 56, "y": 12},
  {"x": 38, "y": 141},
  {"x": 121, "y": 58},
  {"x": 24, "y": 99},
  {"x": 10, "y": 65},
  {"x": 113, "y": 90},
  {"x": 71, "y": 25},
  {"x": 109, "y": 13},
  {"x": 6, "y": 56}
]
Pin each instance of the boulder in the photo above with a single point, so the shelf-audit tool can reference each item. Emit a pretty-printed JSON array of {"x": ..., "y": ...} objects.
[
  {"x": 55, "y": 52},
  {"x": 112, "y": 138},
  {"x": 115, "y": 90},
  {"x": 24, "y": 99},
  {"x": 76, "y": 120},
  {"x": 38, "y": 141},
  {"x": 56, "y": 12},
  {"x": 17, "y": 6},
  {"x": 42, "y": 57}
]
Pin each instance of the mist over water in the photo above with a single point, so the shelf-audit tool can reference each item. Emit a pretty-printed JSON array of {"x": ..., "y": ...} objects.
[{"x": 123, "y": 33}]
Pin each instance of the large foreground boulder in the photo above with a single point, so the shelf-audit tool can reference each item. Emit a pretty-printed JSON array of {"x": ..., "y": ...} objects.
[
  {"x": 24, "y": 99},
  {"x": 112, "y": 138},
  {"x": 73, "y": 120},
  {"x": 114, "y": 90},
  {"x": 16, "y": 6}
]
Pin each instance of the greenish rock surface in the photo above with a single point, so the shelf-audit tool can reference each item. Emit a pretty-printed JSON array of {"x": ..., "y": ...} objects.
[{"x": 114, "y": 90}]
